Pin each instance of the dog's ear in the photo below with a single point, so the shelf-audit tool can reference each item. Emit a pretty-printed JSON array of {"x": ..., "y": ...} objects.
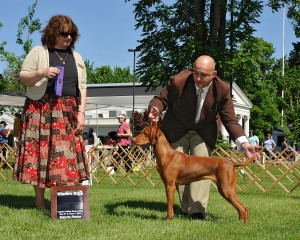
[{"x": 153, "y": 133}]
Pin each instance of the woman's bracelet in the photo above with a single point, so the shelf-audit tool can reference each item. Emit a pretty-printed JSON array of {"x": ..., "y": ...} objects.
[{"x": 82, "y": 112}]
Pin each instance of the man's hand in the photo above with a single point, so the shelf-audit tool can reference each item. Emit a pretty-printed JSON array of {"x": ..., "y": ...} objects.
[
  {"x": 250, "y": 150},
  {"x": 153, "y": 115}
]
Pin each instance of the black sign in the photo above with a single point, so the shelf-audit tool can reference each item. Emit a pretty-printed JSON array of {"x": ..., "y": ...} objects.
[{"x": 69, "y": 202}]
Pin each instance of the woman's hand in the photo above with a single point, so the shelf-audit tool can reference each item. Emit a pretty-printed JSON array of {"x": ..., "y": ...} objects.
[
  {"x": 29, "y": 79},
  {"x": 81, "y": 122},
  {"x": 51, "y": 72}
]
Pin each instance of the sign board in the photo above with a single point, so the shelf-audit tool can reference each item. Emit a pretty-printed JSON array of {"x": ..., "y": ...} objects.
[{"x": 70, "y": 202}]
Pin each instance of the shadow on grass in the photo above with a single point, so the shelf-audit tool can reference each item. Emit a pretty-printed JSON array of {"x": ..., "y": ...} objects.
[
  {"x": 146, "y": 210},
  {"x": 139, "y": 209},
  {"x": 19, "y": 202}
]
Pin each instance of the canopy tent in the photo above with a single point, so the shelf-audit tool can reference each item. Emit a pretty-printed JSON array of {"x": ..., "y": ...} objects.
[
  {"x": 92, "y": 102},
  {"x": 118, "y": 101},
  {"x": 8, "y": 100},
  {"x": 9, "y": 119}
]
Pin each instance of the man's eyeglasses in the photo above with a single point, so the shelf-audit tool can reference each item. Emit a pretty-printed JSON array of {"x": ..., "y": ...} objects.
[
  {"x": 67, "y": 34},
  {"x": 202, "y": 74}
]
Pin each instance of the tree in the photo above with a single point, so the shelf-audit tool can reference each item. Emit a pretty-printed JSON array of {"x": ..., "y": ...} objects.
[
  {"x": 251, "y": 63},
  {"x": 175, "y": 35},
  {"x": 290, "y": 85},
  {"x": 291, "y": 102},
  {"x": 27, "y": 26},
  {"x": 9, "y": 83},
  {"x": 257, "y": 73},
  {"x": 105, "y": 74},
  {"x": 293, "y": 9},
  {"x": 294, "y": 56}
]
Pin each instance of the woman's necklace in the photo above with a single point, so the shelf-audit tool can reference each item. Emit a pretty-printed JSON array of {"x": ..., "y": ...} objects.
[{"x": 61, "y": 59}]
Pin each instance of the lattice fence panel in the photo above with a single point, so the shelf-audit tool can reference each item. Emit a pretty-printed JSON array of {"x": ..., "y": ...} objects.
[
  {"x": 273, "y": 170},
  {"x": 105, "y": 164},
  {"x": 6, "y": 160}
]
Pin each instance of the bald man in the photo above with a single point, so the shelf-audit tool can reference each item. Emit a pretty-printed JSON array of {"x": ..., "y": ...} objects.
[{"x": 196, "y": 101}]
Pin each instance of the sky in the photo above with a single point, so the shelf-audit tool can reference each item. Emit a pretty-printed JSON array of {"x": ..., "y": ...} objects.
[{"x": 107, "y": 28}]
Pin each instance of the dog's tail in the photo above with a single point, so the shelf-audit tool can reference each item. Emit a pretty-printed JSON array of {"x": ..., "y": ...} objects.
[{"x": 241, "y": 164}]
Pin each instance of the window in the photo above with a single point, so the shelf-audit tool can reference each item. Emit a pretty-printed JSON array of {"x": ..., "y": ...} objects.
[{"x": 112, "y": 114}]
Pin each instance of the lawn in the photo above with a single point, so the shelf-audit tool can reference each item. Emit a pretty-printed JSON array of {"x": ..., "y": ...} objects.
[{"x": 127, "y": 212}]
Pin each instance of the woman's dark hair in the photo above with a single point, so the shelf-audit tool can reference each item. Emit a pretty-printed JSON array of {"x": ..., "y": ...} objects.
[
  {"x": 4, "y": 123},
  {"x": 55, "y": 26}
]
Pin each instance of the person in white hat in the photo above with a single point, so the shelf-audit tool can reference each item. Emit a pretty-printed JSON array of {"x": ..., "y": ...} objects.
[{"x": 123, "y": 138}]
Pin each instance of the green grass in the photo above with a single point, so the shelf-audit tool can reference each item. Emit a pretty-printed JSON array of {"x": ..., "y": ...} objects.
[{"x": 127, "y": 212}]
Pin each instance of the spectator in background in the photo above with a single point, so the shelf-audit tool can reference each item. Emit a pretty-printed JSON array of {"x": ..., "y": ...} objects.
[
  {"x": 253, "y": 139},
  {"x": 90, "y": 137},
  {"x": 285, "y": 145},
  {"x": 108, "y": 141},
  {"x": 269, "y": 143},
  {"x": 4, "y": 134},
  {"x": 124, "y": 139}
]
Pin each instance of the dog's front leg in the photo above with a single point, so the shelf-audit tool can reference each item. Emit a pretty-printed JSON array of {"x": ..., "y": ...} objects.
[{"x": 170, "y": 189}]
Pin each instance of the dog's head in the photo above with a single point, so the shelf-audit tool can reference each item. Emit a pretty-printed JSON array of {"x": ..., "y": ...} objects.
[{"x": 148, "y": 136}]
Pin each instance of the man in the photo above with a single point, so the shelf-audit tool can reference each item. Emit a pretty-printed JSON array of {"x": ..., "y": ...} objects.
[{"x": 192, "y": 126}]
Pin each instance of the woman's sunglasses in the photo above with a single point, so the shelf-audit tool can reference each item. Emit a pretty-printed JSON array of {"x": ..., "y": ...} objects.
[{"x": 66, "y": 34}]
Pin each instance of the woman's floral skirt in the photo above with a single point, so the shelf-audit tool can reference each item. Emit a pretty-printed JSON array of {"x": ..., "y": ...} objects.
[{"x": 50, "y": 153}]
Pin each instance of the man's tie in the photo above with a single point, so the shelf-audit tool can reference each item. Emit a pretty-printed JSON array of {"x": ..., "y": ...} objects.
[{"x": 198, "y": 94}]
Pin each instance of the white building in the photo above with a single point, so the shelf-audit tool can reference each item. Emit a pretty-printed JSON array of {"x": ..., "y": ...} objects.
[{"x": 106, "y": 101}]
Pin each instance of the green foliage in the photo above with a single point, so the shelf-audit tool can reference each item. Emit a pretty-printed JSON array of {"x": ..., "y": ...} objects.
[
  {"x": 105, "y": 74},
  {"x": 223, "y": 143},
  {"x": 265, "y": 115},
  {"x": 294, "y": 56},
  {"x": 27, "y": 26},
  {"x": 293, "y": 10},
  {"x": 257, "y": 73},
  {"x": 251, "y": 64},
  {"x": 174, "y": 35},
  {"x": 291, "y": 103}
]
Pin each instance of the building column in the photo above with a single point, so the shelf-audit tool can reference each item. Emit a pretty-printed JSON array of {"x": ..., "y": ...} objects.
[
  {"x": 240, "y": 119},
  {"x": 246, "y": 125}
]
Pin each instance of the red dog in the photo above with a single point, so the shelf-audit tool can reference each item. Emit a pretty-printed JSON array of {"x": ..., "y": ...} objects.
[{"x": 177, "y": 168}]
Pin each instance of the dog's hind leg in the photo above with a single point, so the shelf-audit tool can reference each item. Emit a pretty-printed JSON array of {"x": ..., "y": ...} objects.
[{"x": 230, "y": 195}]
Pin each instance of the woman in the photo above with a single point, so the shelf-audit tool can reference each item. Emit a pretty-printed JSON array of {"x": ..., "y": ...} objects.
[
  {"x": 269, "y": 144},
  {"x": 123, "y": 135},
  {"x": 253, "y": 139},
  {"x": 90, "y": 137},
  {"x": 51, "y": 150}
]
